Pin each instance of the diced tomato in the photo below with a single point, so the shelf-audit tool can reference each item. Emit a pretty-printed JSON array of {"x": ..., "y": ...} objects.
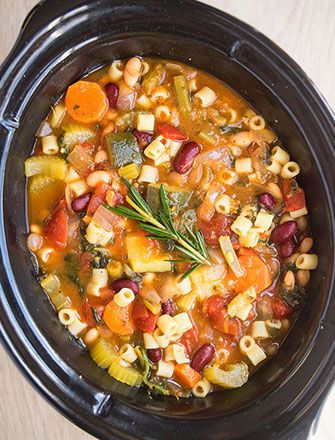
[
  {"x": 280, "y": 309},
  {"x": 98, "y": 197},
  {"x": 88, "y": 146},
  {"x": 215, "y": 307},
  {"x": 294, "y": 197},
  {"x": 56, "y": 228},
  {"x": 219, "y": 225},
  {"x": 144, "y": 319},
  {"x": 88, "y": 312},
  {"x": 170, "y": 132},
  {"x": 296, "y": 201},
  {"x": 106, "y": 294},
  {"x": 190, "y": 339}
]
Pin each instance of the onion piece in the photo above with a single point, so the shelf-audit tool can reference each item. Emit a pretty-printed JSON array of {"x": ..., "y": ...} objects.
[
  {"x": 127, "y": 98},
  {"x": 80, "y": 159},
  {"x": 107, "y": 219}
]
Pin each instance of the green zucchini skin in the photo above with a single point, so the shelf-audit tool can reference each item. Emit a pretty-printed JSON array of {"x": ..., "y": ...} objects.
[{"x": 123, "y": 149}]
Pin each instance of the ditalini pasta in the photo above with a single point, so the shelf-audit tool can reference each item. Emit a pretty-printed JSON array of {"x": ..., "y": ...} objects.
[{"x": 170, "y": 229}]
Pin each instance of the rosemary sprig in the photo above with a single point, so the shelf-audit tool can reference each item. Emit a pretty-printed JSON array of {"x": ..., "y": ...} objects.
[{"x": 161, "y": 227}]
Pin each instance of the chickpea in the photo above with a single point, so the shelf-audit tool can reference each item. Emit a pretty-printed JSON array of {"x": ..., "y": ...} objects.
[
  {"x": 289, "y": 280},
  {"x": 96, "y": 177},
  {"x": 303, "y": 277}
]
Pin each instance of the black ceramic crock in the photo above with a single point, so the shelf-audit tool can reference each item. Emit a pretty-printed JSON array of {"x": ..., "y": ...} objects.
[{"x": 60, "y": 42}]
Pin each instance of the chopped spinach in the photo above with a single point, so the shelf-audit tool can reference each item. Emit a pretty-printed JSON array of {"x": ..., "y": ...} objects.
[
  {"x": 96, "y": 316},
  {"x": 72, "y": 270},
  {"x": 295, "y": 298},
  {"x": 152, "y": 383},
  {"x": 100, "y": 260}
]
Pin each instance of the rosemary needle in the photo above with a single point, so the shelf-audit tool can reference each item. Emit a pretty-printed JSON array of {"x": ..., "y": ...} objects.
[{"x": 161, "y": 227}]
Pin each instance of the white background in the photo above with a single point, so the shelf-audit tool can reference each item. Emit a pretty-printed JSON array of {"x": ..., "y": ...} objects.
[{"x": 306, "y": 30}]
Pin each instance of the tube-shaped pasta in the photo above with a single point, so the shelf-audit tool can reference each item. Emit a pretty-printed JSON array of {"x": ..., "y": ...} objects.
[
  {"x": 273, "y": 324},
  {"x": 145, "y": 122},
  {"x": 124, "y": 297},
  {"x": 241, "y": 225},
  {"x": 259, "y": 330},
  {"x": 167, "y": 325},
  {"x": 77, "y": 327},
  {"x": 163, "y": 113},
  {"x": 274, "y": 167},
  {"x": 206, "y": 95},
  {"x": 179, "y": 354},
  {"x": 149, "y": 341},
  {"x": 257, "y": 122},
  {"x": 156, "y": 148},
  {"x": 222, "y": 204},
  {"x": 240, "y": 305},
  {"x": 290, "y": 170},
  {"x": 165, "y": 369},
  {"x": 44, "y": 253},
  {"x": 279, "y": 155},
  {"x": 162, "y": 159},
  {"x": 184, "y": 286},
  {"x": 201, "y": 388},
  {"x": 183, "y": 321},
  {"x": 114, "y": 269},
  {"x": 168, "y": 354},
  {"x": 243, "y": 165},
  {"x": 249, "y": 240},
  {"x": 246, "y": 344},
  {"x": 160, "y": 94},
  {"x": 173, "y": 147},
  {"x": 275, "y": 190},
  {"x": 307, "y": 261},
  {"x": 162, "y": 340},
  {"x": 299, "y": 212},
  {"x": 50, "y": 144},
  {"x": 144, "y": 102},
  {"x": 98, "y": 235},
  {"x": 66, "y": 316},
  {"x": 228, "y": 177},
  {"x": 149, "y": 174},
  {"x": 115, "y": 71},
  {"x": 100, "y": 276},
  {"x": 128, "y": 353},
  {"x": 249, "y": 211},
  {"x": 264, "y": 219}
]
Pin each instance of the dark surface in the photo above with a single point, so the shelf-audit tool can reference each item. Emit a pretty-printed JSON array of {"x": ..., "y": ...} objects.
[{"x": 58, "y": 47}]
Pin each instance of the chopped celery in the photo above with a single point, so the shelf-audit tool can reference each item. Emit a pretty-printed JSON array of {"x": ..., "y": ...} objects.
[
  {"x": 153, "y": 78},
  {"x": 73, "y": 134},
  {"x": 234, "y": 376},
  {"x": 51, "y": 166},
  {"x": 230, "y": 255},
  {"x": 43, "y": 194},
  {"x": 182, "y": 94},
  {"x": 127, "y": 375},
  {"x": 130, "y": 171},
  {"x": 123, "y": 149},
  {"x": 103, "y": 353},
  {"x": 154, "y": 308},
  {"x": 51, "y": 286},
  {"x": 178, "y": 197},
  {"x": 207, "y": 135}
]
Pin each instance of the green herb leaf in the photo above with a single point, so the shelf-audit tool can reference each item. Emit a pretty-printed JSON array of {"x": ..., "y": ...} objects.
[
  {"x": 96, "y": 316},
  {"x": 230, "y": 129}
]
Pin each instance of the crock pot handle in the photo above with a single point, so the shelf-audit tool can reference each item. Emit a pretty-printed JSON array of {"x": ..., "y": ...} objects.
[{"x": 43, "y": 14}]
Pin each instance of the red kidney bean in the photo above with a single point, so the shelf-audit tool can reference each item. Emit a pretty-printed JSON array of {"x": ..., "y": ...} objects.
[
  {"x": 267, "y": 200},
  {"x": 143, "y": 137},
  {"x": 112, "y": 92},
  {"x": 284, "y": 231},
  {"x": 154, "y": 354},
  {"x": 287, "y": 248},
  {"x": 202, "y": 357},
  {"x": 167, "y": 307},
  {"x": 80, "y": 203},
  {"x": 117, "y": 285},
  {"x": 185, "y": 157}
]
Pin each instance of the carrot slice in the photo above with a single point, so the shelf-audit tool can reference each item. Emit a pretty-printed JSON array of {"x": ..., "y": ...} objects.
[
  {"x": 118, "y": 319},
  {"x": 86, "y": 102},
  {"x": 257, "y": 274},
  {"x": 186, "y": 375}
]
